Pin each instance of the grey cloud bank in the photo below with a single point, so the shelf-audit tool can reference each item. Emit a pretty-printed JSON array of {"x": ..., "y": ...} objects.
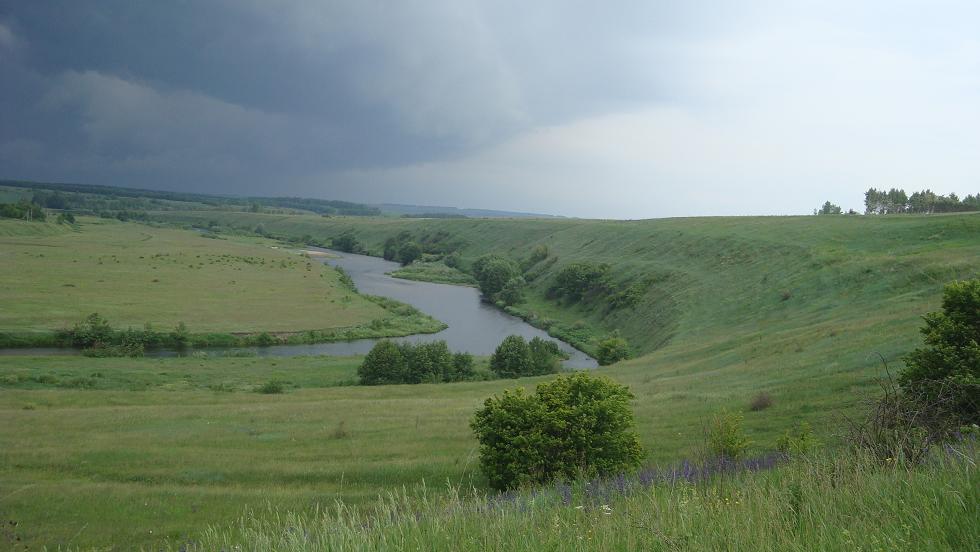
[{"x": 620, "y": 110}]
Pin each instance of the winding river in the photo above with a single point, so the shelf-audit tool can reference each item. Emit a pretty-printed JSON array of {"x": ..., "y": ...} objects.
[{"x": 474, "y": 326}]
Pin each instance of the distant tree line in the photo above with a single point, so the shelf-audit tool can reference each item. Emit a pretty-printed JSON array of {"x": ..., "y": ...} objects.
[
  {"x": 92, "y": 198},
  {"x": 881, "y": 202},
  {"x": 435, "y": 215},
  {"x": 23, "y": 209}
]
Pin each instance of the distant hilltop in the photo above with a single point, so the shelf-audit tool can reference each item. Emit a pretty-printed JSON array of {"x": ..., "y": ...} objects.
[{"x": 432, "y": 211}]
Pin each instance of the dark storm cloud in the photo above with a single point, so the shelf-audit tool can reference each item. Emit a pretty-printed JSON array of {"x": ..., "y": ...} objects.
[{"x": 612, "y": 108}]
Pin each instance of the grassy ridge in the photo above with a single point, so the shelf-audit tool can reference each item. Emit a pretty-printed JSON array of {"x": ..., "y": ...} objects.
[
  {"x": 54, "y": 275},
  {"x": 97, "y": 466}
]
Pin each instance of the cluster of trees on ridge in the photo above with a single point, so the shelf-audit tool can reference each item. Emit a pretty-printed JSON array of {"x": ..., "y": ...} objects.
[{"x": 882, "y": 202}]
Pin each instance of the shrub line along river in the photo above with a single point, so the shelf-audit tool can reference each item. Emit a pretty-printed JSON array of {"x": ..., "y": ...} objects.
[{"x": 473, "y": 326}]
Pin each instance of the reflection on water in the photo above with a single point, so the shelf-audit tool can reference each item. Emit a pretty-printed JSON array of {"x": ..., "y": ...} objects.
[{"x": 474, "y": 326}]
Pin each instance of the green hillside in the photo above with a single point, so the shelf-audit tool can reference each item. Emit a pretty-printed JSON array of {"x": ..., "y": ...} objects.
[{"x": 709, "y": 277}]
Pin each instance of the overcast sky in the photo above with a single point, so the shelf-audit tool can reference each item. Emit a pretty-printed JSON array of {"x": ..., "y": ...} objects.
[{"x": 582, "y": 108}]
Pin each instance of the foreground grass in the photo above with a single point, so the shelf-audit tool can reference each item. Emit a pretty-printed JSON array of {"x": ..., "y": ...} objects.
[{"x": 843, "y": 504}]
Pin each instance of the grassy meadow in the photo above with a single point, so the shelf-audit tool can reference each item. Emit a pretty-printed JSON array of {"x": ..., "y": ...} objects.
[
  {"x": 52, "y": 276},
  {"x": 157, "y": 450},
  {"x": 811, "y": 504}
]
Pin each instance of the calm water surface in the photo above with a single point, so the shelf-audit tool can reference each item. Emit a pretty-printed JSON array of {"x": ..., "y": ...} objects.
[{"x": 474, "y": 326}]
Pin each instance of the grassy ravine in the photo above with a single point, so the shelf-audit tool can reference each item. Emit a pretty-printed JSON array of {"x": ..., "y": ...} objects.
[
  {"x": 224, "y": 290},
  {"x": 118, "y": 468},
  {"x": 710, "y": 277},
  {"x": 436, "y": 272},
  {"x": 842, "y": 504}
]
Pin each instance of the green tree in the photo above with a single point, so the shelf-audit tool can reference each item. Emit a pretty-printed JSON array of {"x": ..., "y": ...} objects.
[
  {"x": 949, "y": 363},
  {"x": 512, "y": 359},
  {"x": 493, "y": 272},
  {"x": 577, "y": 280},
  {"x": 576, "y": 425},
  {"x": 427, "y": 362},
  {"x": 347, "y": 242},
  {"x": 180, "y": 336},
  {"x": 829, "y": 208},
  {"x": 408, "y": 252},
  {"x": 513, "y": 291},
  {"x": 545, "y": 356},
  {"x": 725, "y": 437},
  {"x": 462, "y": 368},
  {"x": 94, "y": 330},
  {"x": 385, "y": 363},
  {"x": 612, "y": 349}
]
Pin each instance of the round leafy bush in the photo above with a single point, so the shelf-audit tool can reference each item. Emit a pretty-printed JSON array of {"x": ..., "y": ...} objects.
[
  {"x": 385, "y": 363},
  {"x": 512, "y": 359},
  {"x": 612, "y": 350},
  {"x": 946, "y": 372},
  {"x": 574, "y": 426}
]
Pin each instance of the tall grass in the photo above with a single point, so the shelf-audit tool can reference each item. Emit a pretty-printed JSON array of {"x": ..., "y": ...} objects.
[{"x": 845, "y": 503}]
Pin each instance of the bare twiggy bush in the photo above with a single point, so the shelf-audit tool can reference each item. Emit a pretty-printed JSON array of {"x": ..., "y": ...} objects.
[{"x": 901, "y": 426}]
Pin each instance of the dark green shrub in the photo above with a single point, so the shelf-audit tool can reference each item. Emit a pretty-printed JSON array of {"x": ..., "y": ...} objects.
[
  {"x": 513, "y": 291},
  {"x": 347, "y": 242},
  {"x": 271, "y": 387},
  {"x": 93, "y": 330},
  {"x": 577, "y": 280},
  {"x": 264, "y": 339},
  {"x": 512, "y": 359},
  {"x": 409, "y": 252},
  {"x": 492, "y": 273},
  {"x": 452, "y": 260},
  {"x": 574, "y": 426},
  {"x": 949, "y": 364},
  {"x": 611, "y": 350}
]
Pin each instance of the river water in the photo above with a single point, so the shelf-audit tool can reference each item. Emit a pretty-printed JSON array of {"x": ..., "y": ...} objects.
[{"x": 474, "y": 326}]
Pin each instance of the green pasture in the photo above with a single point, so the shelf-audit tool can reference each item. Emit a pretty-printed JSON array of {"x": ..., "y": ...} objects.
[
  {"x": 802, "y": 308},
  {"x": 51, "y": 276}
]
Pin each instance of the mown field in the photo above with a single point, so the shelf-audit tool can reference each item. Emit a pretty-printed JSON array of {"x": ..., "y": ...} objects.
[
  {"x": 51, "y": 276},
  {"x": 797, "y": 307}
]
